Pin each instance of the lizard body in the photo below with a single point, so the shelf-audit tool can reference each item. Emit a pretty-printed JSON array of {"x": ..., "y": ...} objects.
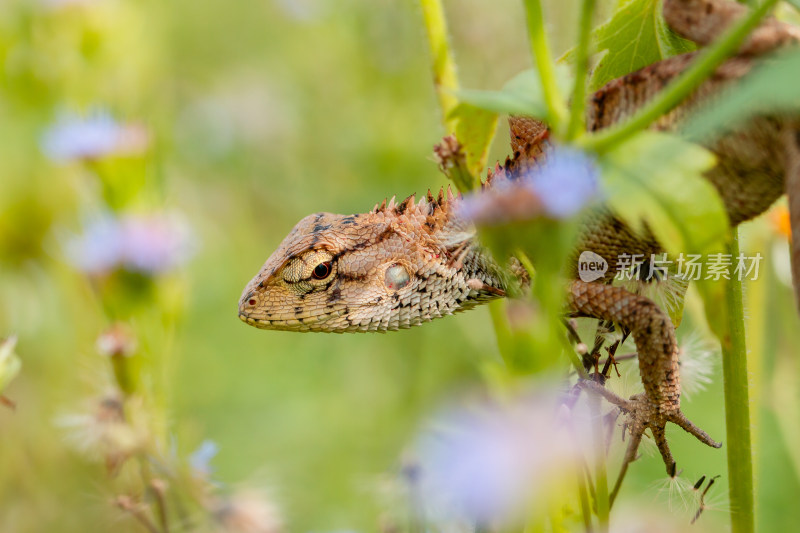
[{"x": 403, "y": 264}]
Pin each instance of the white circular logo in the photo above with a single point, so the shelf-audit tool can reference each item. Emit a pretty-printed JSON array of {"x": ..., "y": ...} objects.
[{"x": 591, "y": 266}]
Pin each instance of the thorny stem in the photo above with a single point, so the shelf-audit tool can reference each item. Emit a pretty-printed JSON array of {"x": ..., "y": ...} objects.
[
  {"x": 709, "y": 59},
  {"x": 445, "y": 78},
  {"x": 557, "y": 520},
  {"x": 600, "y": 391},
  {"x": 618, "y": 483},
  {"x": 583, "y": 480},
  {"x": 618, "y": 358},
  {"x": 577, "y": 122},
  {"x": 601, "y": 476},
  {"x": 545, "y": 65},
  {"x": 584, "y": 501},
  {"x": 582, "y": 475},
  {"x": 126, "y": 504},
  {"x": 573, "y": 357},
  {"x": 575, "y": 339},
  {"x": 587, "y": 474},
  {"x": 737, "y": 405},
  {"x": 124, "y": 373},
  {"x": 158, "y": 488},
  {"x": 702, "y": 504}
]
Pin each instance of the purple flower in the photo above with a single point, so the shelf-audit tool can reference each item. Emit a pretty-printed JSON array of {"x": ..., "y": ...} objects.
[
  {"x": 99, "y": 248},
  {"x": 58, "y": 4},
  {"x": 301, "y": 10},
  {"x": 74, "y": 137},
  {"x": 565, "y": 182},
  {"x": 152, "y": 243},
  {"x": 200, "y": 459},
  {"x": 490, "y": 463}
]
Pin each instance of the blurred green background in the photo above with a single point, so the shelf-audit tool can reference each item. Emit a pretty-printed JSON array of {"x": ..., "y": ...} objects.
[{"x": 249, "y": 116}]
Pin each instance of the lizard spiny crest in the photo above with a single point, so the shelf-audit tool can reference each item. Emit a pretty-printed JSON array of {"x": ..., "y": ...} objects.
[{"x": 397, "y": 266}]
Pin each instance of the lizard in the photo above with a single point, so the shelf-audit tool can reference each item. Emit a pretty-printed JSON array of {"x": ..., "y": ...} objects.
[{"x": 405, "y": 263}]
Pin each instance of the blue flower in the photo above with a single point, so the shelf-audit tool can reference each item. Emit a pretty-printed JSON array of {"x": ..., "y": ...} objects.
[
  {"x": 565, "y": 182},
  {"x": 99, "y": 248},
  {"x": 73, "y": 137},
  {"x": 148, "y": 243},
  {"x": 492, "y": 462},
  {"x": 559, "y": 187},
  {"x": 200, "y": 459},
  {"x": 155, "y": 243}
]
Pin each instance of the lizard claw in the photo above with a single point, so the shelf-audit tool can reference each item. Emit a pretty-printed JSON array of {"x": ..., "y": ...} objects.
[
  {"x": 642, "y": 413},
  {"x": 680, "y": 419}
]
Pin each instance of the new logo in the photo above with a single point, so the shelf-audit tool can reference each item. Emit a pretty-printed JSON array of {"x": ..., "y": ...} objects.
[{"x": 591, "y": 266}]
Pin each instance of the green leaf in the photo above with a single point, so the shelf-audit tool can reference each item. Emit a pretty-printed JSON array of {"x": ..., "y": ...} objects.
[
  {"x": 522, "y": 95},
  {"x": 528, "y": 344},
  {"x": 634, "y": 37},
  {"x": 657, "y": 178},
  {"x": 475, "y": 129},
  {"x": 770, "y": 87}
]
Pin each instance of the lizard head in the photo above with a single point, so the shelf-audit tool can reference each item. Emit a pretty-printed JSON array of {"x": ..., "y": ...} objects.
[{"x": 383, "y": 270}]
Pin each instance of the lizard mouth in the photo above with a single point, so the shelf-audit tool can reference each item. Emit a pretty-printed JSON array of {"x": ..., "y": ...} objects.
[
  {"x": 308, "y": 323},
  {"x": 248, "y": 319},
  {"x": 265, "y": 323}
]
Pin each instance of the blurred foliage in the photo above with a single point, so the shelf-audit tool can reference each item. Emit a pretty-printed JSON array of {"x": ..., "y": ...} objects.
[
  {"x": 657, "y": 179},
  {"x": 634, "y": 37},
  {"x": 256, "y": 115},
  {"x": 770, "y": 89}
]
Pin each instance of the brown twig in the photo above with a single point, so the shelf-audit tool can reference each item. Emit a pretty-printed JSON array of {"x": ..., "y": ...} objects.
[{"x": 126, "y": 503}]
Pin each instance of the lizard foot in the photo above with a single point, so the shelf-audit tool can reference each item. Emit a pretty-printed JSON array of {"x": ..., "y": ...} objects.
[{"x": 642, "y": 413}]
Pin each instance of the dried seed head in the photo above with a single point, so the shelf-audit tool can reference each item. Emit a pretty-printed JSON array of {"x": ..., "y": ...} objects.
[
  {"x": 248, "y": 511},
  {"x": 117, "y": 340}
]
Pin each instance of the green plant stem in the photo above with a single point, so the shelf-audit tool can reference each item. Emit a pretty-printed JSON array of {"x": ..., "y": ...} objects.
[
  {"x": 124, "y": 373},
  {"x": 601, "y": 475},
  {"x": 445, "y": 79},
  {"x": 545, "y": 65},
  {"x": 576, "y": 362},
  {"x": 737, "y": 406},
  {"x": 583, "y": 497},
  {"x": 702, "y": 67},
  {"x": 577, "y": 119}
]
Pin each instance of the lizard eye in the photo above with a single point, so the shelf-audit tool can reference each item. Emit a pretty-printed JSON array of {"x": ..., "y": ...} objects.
[{"x": 322, "y": 270}]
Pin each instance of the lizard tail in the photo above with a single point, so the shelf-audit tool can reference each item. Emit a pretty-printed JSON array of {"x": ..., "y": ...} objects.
[{"x": 703, "y": 21}]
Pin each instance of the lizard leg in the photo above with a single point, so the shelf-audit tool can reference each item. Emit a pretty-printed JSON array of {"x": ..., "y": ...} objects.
[{"x": 654, "y": 335}]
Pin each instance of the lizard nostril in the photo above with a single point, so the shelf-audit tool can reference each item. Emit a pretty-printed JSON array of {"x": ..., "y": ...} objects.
[{"x": 252, "y": 301}]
